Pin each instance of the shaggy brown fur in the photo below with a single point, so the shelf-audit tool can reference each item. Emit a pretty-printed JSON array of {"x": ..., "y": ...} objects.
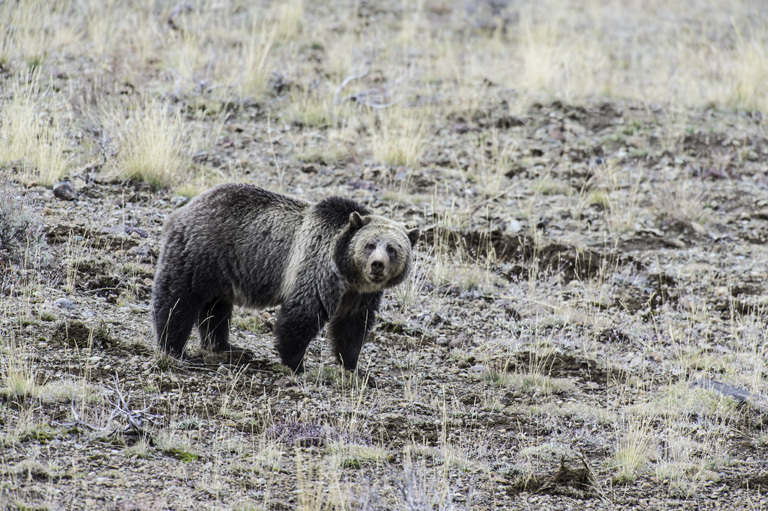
[{"x": 238, "y": 244}]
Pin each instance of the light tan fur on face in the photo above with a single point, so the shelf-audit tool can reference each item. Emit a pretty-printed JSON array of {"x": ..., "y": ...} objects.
[{"x": 383, "y": 233}]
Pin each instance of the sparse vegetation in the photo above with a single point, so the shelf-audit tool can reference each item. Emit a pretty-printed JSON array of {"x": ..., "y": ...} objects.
[
  {"x": 585, "y": 323},
  {"x": 19, "y": 232},
  {"x": 19, "y": 376},
  {"x": 397, "y": 136},
  {"x": 151, "y": 145},
  {"x": 33, "y": 139}
]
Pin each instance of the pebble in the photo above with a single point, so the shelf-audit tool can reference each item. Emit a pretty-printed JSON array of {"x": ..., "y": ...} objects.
[
  {"x": 64, "y": 191},
  {"x": 64, "y": 303},
  {"x": 478, "y": 368},
  {"x": 143, "y": 253},
  {"x": 179, "y": 201},
  {"x": 513, "y": 226},
  {"x": 283, "y": 382}
]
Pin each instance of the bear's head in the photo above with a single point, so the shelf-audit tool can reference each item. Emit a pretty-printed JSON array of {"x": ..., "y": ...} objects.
[{"x": 380, "y": 251}]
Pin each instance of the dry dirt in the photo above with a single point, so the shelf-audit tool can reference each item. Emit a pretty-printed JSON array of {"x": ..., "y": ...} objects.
[{"x": 552, "y": 350}]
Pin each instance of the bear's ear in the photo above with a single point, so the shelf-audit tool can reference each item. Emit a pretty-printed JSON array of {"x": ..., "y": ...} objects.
[
  {"x": 357, "y": 221},
  {"x": 413, "y": 235}
]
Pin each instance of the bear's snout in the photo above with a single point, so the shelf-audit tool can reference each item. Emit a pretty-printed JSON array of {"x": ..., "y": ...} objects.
[{"x": 378, "y": 266}]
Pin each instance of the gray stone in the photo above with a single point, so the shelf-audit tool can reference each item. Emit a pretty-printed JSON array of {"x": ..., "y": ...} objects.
[
  {"x": 65, "y": 191},
  {"x": 179, "y": 201},
  {"x": 64, "y": 303}
]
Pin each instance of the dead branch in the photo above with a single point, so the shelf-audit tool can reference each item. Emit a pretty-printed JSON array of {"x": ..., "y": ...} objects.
[
  {"x": 136, "y": 419},
  {"x": 181, "y": 8},
  {"x": 348, "y": 79},
  {"x": 365, "y": 97},
  {"x": 754, "y": 401},
  {"x": 362, "y": 98}
]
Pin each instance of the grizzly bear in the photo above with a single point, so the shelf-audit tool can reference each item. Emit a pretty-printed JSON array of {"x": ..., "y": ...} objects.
[{"x": 238, "y": 244}]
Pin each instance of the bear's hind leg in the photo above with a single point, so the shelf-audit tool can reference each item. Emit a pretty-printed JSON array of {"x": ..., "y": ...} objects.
[{"x": 213, "y": 325}]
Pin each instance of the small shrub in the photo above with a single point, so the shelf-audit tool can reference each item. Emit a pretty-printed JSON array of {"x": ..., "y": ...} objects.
[
  {"x": 18, "y": 229},
  {"x": 152, "y": 141}
]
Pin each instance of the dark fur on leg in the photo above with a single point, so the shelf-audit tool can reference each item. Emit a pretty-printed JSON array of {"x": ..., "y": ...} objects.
[
  {"x": 213, "y": 325},
  {"x": 177, "y": 320},
  {"x": 297, "y": 324},
  {"x": 348, "y": 329}
]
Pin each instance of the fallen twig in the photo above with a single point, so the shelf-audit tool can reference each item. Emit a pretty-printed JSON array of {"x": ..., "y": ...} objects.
[
  {"x": 136, "y": 419},
  {"x": 363, "y": 97},
  {"x": 348, "y": 79},
  {"x": 754, "y": 401}
]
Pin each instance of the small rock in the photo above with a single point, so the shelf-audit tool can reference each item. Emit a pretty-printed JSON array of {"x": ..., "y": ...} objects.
[
  {"x": 179, "y": 201},
  {"x": 456, "y": 343},
  {"x": 461, "y": 340},
  {"x": 224, "y": 371},
  {"x": 283, "y": 382},
  {"x": 308, "y": 168},
  {"x": 64, "y": 303},
  {"x": 138, "y": 308},
  {"x": 442, "y": 341},
  {"x": 513, "y": 226},
  {"x": 698, "y": 228},
  {"x": 478, "y": 368},
  {"x": 64, "y": 191},
  {"x": 142, "y": 253}
]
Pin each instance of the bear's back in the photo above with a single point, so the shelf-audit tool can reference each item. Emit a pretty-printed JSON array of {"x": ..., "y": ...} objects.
[{"x": 233, "y": 239}]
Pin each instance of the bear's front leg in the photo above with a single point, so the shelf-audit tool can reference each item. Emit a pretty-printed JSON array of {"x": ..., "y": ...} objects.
[
  {"x": 350, "y": 325},
  {"x": 174, "y": 319},
  {"x": 297, "y": 324}
]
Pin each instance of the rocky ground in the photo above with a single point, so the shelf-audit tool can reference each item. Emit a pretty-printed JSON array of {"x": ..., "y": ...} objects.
[{"x": 585, "y": 326}]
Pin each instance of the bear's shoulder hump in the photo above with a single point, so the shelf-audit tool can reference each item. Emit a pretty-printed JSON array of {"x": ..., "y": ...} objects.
[{"x": 335, "y": 211}]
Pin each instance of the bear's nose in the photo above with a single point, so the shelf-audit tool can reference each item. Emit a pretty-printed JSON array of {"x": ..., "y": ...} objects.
[{"x": 377, "y": 266}]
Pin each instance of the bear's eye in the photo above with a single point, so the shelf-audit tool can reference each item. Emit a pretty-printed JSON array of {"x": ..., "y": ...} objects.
[
  {"x": 390, "y": 250},
  {"x": 370, "y": 246}
]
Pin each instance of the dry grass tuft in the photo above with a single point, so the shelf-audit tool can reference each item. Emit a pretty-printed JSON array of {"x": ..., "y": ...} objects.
[
  {"x": 151, "y": 142},
  {"x": 254, "y": 54},
  {"x": 634, "y": 450},
  {"x": 17, "y": 371},
  {"x": 31, "y": 133},
  {"x": 398, "y": 136}
]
